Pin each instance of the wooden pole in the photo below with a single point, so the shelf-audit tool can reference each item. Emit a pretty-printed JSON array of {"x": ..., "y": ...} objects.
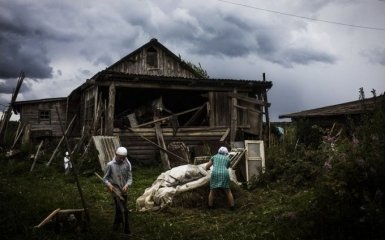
[
  {"x": 36, "y": 155},
  {"x": 47, "y": 219},
  {"x": 18, "y": 134},
  {"x": 234, "y": 117},
  {"x": 114, "y": 190},
  {"x": 163, "y": 154},
  {"x": 61, "y": 140},
  {"x": 8, "y": 113},
  {"x": 266, "y": 113},
  {"x": 110, "y": 110},
  {"x": 75, "y": 172},
  {"x": 168, "y": 117}
]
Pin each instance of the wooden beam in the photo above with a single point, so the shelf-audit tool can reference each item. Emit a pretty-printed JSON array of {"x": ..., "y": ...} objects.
[
  {"x": 224, "y": 136},
  {"x": 74, "y": 167},
  {"x": 210, "y": 108},
  {"x": 61, "y": 140},
  {"x": 247, "y": 109},
  {"x": 36, "y": 155},
  {"x": 266, "y": 115},
  {"x": 163, "y": 154},
  {"x": 234, "y": 117},
  {"x": 168, "y": 117},
  {"x": 8, "y": 113},
  {"x": 110, "y": 110},
  {"x": 196, "y": 114},
  {"x": 48, "y": 218},
  {"x": 249, "y": 99}
]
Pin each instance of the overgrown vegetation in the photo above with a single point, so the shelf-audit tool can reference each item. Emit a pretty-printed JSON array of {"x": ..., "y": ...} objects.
[{"x": 332, "y": 191}]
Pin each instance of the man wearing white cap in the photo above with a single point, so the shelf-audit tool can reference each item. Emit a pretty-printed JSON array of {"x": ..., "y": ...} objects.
[{"x": 118, "y": 176}]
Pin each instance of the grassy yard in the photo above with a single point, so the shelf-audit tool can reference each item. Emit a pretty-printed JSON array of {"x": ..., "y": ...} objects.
[
  {"x": 27, "y": 198},
  {"x": 334, "y": 189}
]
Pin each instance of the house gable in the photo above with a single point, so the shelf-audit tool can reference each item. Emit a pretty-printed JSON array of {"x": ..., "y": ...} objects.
[{"x": 153, "y": 59}]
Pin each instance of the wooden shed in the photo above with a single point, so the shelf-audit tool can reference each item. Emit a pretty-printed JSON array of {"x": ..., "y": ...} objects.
[
  {"x": 40, "y": 117},
  {"x": 339, "y": 113},
  {"x": 151, "y": 98}
]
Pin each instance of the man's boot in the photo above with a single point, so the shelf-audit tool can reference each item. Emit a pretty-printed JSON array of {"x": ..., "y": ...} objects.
[{"x": 126, "y": 224}]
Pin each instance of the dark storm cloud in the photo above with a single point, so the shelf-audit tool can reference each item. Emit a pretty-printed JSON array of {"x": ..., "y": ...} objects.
[
  {"x": 18, "y": 55},
  {"x": 230, "y": 35},
  {"x": 21, "y": 46},
  {"x": 26, "y": 29}
]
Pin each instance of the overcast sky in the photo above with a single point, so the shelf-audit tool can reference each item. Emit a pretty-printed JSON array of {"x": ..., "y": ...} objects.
[{"x": 316, "y": 53}]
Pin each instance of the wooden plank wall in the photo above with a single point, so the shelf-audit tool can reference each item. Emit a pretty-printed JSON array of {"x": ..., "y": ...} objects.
[
  {"x": 30, "y": 114},
  {"x": 167, "y": 66}
]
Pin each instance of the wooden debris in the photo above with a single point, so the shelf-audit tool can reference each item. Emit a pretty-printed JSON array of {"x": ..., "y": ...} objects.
[
  {"x": 180, "y": 149},
  {"x": 106, "y": 146},
  {"x": 65, "y": 220},
  {"x": 48, "y": 218}
]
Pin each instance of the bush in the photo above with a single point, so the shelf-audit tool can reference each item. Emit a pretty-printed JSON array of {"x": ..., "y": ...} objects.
[{"x": 349, "y": 196}]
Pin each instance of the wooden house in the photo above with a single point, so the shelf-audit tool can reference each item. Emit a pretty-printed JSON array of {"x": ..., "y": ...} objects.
[{"x": 151, "y": 98}]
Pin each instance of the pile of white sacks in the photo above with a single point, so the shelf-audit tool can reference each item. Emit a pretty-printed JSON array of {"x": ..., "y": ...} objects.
[{"x": 172, "y": 182}]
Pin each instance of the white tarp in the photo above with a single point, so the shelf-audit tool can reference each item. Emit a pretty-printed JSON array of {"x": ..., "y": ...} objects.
[{"x": 174, "y": 181}]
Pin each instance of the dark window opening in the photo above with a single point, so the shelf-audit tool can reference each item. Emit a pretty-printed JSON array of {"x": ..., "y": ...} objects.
[
  {"x": 152, "y": 57},
  {"x": 44, "y": 115},
  {"x": 145, "y": 103}
]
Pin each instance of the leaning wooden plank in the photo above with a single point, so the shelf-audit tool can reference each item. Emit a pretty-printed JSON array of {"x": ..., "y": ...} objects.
[
  {"x": 225, "y": 135},
  {"x": 36, "y": 155},
  {"x": 60, "y": 142},
  {"x": 47, "y": 219},
  {"x": 168, "y": 117},
  {"x": 18, "y": 134},
  {"x": 114, "y": 189},
  {"x": 8, "y": 113},
  {"x": 249, "y": 99},
  {"x": 163, "y": 154},
  {"x": 71, "y": 210},
  {"x": 74, "y": 167},
  {"x": 196, "y": 114},
  {"x": 106, "y": 149},
  {"x": 238, "y": 158}
]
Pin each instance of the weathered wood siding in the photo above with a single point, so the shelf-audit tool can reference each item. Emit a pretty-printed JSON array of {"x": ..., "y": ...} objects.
[
  {"x": 166, "y": 65},
  {"x": 30, "y": 114},
  {"x": 221, "y": 108}
]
